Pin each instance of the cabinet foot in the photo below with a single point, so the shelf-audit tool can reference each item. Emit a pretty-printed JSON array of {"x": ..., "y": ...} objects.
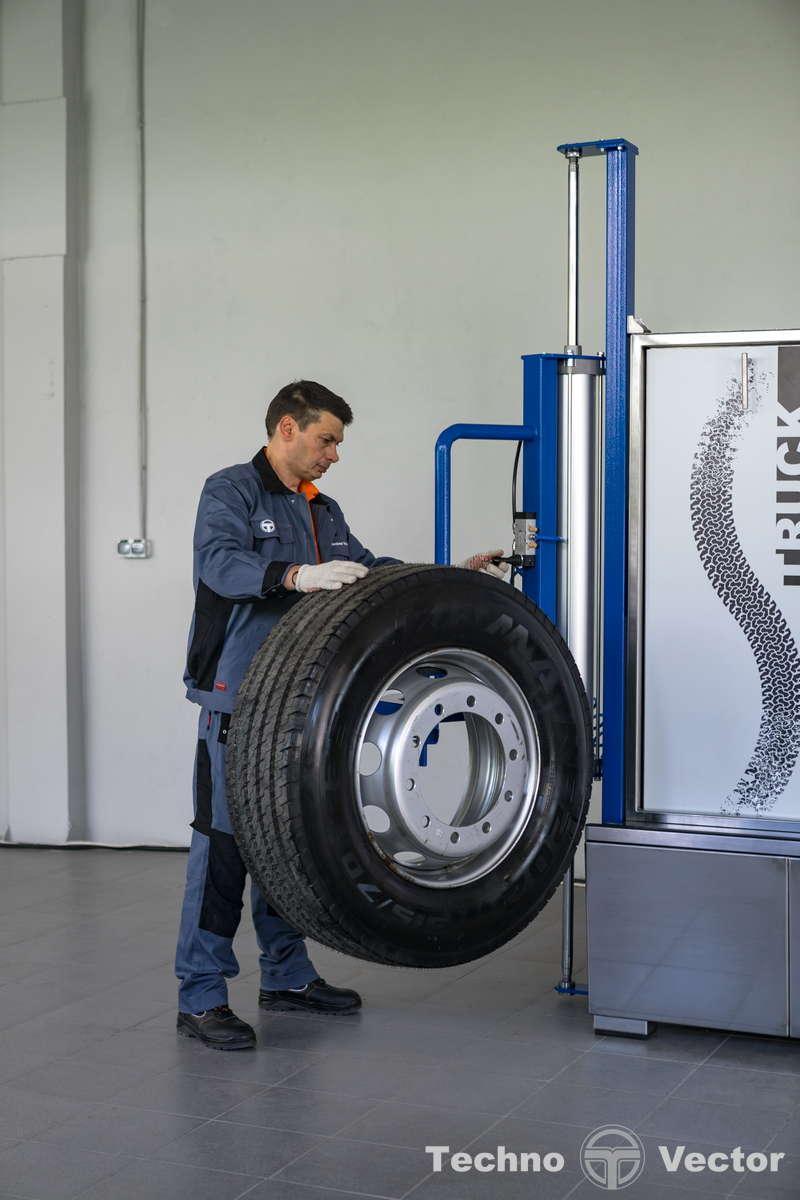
[{"x": 623, "y": 1026}]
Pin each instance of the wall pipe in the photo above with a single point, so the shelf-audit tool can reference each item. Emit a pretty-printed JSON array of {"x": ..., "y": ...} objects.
[{"x": 141, "y": 15}]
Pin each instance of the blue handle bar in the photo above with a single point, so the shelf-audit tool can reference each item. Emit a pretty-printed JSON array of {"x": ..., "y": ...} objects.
[{"x": 444, "y": 444}]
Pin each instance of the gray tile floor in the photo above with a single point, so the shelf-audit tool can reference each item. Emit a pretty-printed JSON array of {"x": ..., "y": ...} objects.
[{"x": 100, "y": 1100}]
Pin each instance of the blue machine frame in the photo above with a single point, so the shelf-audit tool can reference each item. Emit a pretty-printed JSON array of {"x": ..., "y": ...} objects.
[{"x": 539, "y": 433}]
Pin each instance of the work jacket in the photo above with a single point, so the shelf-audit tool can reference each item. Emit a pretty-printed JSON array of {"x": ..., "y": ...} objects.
[{"x": 250, "y": 529}]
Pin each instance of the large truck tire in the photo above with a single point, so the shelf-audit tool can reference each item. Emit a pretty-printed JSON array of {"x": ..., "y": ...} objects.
[{"x": 327, "y": 754}]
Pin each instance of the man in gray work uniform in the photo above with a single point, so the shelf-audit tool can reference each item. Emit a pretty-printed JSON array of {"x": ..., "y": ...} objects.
[{"x": 264, "y": 534}]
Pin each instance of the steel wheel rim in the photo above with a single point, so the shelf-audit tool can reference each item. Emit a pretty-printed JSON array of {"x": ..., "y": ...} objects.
[{"x": 503, "y": 773}]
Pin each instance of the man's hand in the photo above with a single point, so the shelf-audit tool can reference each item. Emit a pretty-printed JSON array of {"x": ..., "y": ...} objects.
[
  {"x": 483, "y": 562},
  {"x": 328, "y": 576}
]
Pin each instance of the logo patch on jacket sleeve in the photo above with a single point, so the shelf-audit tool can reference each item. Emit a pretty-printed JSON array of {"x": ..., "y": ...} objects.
[
  {"x": 267, "y": 526},
  {"x": 219, "y": 686}
]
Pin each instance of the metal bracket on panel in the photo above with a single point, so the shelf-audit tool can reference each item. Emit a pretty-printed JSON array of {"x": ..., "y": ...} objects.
[
  {"x": 637, "y": 326},
  {"x": 595, "y": 149}
]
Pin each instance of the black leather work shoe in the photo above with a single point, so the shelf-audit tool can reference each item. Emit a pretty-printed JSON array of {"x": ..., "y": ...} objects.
[
  {"x": 219, "y": 1028},
  {"x": 316, "y": 997}
]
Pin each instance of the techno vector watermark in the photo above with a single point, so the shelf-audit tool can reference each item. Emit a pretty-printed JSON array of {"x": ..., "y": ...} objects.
[{"x": 611, "y": 1157}]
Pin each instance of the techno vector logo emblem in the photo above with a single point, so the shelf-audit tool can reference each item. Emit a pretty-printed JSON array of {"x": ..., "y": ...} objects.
[
  {"x": 612, "y": 1157},
  {"x": 267, "y": 526}
]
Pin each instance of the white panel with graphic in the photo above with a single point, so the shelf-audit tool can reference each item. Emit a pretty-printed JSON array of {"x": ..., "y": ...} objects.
[{"x": 721, "y": 714}]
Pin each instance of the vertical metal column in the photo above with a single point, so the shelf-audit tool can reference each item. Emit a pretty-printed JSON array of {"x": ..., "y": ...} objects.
[
  {"x": 619, "y": 304},
  {"x": 577, "y": 512},
  {"x": 578, "y": 404},
  {"x": 567, "y": 983},
  {"x": 573, "y": 161},
  {"x": 620, "y": 206},
  {"x": 540, "y": 477},
  {"x": 620, "y": 210},
  {"x": 593, "y": 465}
]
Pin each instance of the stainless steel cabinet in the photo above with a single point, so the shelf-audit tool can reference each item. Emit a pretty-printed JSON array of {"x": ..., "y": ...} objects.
[
  {"x": 794, "y": 947},
  {"x": 691, "y": 937}
]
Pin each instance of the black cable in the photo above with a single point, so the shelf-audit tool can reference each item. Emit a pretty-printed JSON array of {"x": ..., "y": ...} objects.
[{"x": 514, "y": 484}]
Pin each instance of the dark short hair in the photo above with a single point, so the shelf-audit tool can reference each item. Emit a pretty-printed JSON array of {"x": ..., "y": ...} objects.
[{"x": 306, "y": 401}]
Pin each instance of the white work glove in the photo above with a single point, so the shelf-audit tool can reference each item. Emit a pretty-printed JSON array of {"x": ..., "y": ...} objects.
[
  {"x": 483, "y": 562},
  {"x": 328, "y": 576}
]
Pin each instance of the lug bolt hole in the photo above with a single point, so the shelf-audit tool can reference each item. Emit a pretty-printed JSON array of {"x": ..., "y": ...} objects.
[
  {"x": 454, "y": 837},
  {"x": 486, "y": 826},
  {"x": 509, "y": 796},
  {"x": 439, "y": 709},
  {"x": 512, "y": 754},
  {"x": 470, "y": 701},
  {"x": 415, "y": 740},
  {"x": 410, "y": 784},
  {"x": 498, "y": 719},
  {"x": 426, "y": 822}
]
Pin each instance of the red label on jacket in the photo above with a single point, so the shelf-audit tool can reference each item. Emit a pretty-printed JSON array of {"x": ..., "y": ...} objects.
[{"x": 221, "y": 687}]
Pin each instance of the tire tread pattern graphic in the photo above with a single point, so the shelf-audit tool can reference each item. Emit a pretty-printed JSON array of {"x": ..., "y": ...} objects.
[{"x": 711, "y": 497}]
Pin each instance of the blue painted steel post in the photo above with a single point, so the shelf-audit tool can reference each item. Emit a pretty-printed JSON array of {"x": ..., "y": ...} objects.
[
  {"x": 540, "y": 476},
  {"x": 620, "y": 213}
]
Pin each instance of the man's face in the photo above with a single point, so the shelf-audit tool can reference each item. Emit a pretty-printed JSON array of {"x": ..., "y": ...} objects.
[{"x": 313, "y": 449}]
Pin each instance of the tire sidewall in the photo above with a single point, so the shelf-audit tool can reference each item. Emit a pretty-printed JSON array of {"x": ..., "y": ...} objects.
[{"x": 379, "y": 904}]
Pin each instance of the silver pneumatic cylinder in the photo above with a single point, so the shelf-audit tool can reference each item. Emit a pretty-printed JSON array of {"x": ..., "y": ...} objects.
[
  {"x": 578, "y": 413},
  {"x": 578, "y": 404},
  {"x": 578, "y": 407}
]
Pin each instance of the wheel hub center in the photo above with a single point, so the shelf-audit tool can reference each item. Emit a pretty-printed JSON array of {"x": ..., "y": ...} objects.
[{"x": 409, "y": 819}]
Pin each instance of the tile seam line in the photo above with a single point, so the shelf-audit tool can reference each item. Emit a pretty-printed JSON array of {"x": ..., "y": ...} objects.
[
  {"x": 504, "y": 1117},
  {"x": 685, "y": 1080},
  {"x": 772, "y": 1112},
  {"x": 326, "y": 1187},
  {"x": 145, "y": 1158},
  {"x": 231, "y": 1079},
  {"x": 574, "y": 1063},
  {"x": 247, "y": 1191},
  {"x": 39, "y": 1141},
  {"x": 755, "y": 1070},
  {"x": 153, "y": 1155},
  {"x": 338, "y": 1136},
  {"x": 166, "y": 1112},
  {"x": 695, "y": 1066},
  {"x": 385, "y": 1100},
  {"x": 343, "y": 1131},
  {"x": 711, "y": 1105}
]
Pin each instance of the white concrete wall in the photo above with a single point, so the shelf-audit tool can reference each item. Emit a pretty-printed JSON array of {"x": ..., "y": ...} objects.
[
  {"x": 42, "y": 793},
  {"x": 367, "y": 193}
]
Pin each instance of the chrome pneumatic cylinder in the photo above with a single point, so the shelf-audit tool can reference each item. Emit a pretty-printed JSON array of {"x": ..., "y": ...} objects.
[
  {"x": 578, "y": 489},
  {"x": 572, "y": 346},
  {"x": 578, "y": 408},
  {"x": 578, "y": 412}
]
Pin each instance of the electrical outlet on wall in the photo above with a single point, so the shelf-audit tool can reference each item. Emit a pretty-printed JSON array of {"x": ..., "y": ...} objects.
[{"x": 134, "y": 548}]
